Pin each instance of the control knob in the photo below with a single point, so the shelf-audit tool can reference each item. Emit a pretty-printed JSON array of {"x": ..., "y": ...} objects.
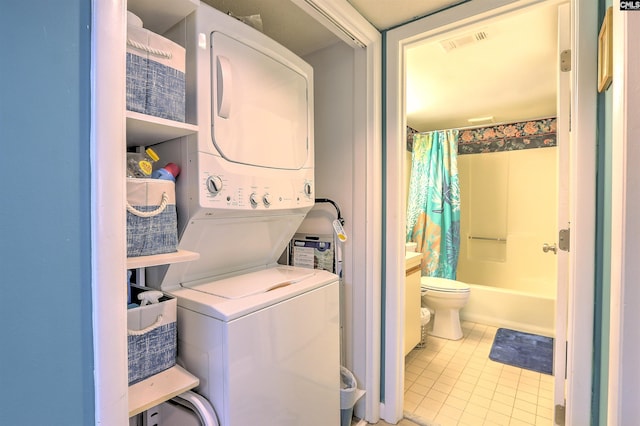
[
  {"x": 214, "y": 184},
  {"x": 266, "y": 200},
  {"x": 253, "y": 199}
]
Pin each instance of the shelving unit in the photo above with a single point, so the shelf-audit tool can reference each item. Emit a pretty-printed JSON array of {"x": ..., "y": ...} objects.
[
  {"x": 143, "y": 130},
  {"x": 160, "y": 388}
]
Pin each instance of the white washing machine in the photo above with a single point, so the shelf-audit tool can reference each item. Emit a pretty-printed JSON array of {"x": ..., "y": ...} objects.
[
  {"x": 263, "y": 339},
  {"x": 265, "y": 346}
]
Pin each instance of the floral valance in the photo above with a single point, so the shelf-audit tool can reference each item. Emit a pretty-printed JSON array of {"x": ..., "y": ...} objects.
[
  {"x": 508, "y": 137},
  {"x": 503, "y": 137}
]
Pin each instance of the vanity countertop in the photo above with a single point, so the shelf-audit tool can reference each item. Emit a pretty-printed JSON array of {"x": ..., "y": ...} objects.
[{"x": 412, "y": 259}]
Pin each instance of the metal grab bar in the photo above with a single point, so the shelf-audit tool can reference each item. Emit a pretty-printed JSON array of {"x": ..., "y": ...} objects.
[{"x": 500, "y": 240}]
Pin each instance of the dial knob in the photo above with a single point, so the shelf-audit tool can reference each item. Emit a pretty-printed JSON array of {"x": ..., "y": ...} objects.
[
  {"x": 253, "y": 199},
  {"x": 307, "y": 189},
  {"x": 214, "y": 184},
  {"x": 266, "y": 200}
]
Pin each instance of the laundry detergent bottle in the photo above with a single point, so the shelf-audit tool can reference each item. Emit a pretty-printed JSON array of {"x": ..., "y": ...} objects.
[{"x": 169, "y": 172}]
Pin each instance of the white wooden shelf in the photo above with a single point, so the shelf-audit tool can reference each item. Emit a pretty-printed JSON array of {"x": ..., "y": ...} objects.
[
  {"x": 159, "y": 388},
  {"x": 143, "y": 130},
  {"x": 161, "y": 259}
]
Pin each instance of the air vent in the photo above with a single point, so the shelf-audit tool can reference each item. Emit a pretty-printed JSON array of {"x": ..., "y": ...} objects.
[{"x": 463, "y": 40}]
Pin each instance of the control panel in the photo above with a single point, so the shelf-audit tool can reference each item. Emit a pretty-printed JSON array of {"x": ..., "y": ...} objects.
[{"x": 254, "y": 193}]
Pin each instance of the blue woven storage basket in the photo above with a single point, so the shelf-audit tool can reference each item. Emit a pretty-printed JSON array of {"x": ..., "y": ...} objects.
[
  {"x": 151, "y": 336},
  {"x": 152, "y": 221},
  {"x": 152, "y": 352},
  {"x": 136, "y": 91},
  {"x": 165, "y": 92}
]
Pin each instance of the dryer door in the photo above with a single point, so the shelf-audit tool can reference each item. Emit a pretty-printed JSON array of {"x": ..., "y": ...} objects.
[{"x": 259, "y": 106}]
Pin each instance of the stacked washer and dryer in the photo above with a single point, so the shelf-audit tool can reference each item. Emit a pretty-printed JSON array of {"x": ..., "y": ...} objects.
[{"x": 262, "y": 338}]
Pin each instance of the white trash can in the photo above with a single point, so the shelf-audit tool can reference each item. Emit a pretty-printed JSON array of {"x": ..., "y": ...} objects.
[{"x": 349, "y": 395}]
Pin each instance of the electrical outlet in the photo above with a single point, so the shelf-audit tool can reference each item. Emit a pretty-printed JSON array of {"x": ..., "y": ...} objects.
[{"x": 151, "y": 417}]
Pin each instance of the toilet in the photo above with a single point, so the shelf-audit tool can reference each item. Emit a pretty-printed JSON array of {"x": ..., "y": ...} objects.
[{"x": 445, "y": 298}]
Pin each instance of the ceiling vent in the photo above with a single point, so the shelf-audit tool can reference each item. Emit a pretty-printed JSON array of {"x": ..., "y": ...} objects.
[{"x": 463, "y": 40}]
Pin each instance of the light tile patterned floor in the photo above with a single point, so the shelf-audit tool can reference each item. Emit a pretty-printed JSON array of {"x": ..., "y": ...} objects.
[{"x": 451, "y": 383}]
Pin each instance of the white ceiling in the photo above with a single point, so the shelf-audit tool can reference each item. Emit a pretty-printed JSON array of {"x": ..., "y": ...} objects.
[
  {"x": 510, "y": 76},
  {"x": 385, "y": 14}
]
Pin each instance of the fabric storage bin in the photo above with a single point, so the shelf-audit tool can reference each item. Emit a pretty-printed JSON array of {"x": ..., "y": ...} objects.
[
  {"x": 151, "y": 336},
  {"x": 137, "y": 68},
  {"x": 152, "y": 221},
  {"x": 155, "y": 75},
  {"x": 165, "y": 79}
]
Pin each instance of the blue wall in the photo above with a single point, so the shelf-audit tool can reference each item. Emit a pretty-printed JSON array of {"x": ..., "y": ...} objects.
[{"x": 46, "y": 356}]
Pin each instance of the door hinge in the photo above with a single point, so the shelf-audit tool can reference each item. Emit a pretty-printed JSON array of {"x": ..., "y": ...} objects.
[
  {"x": 559, "y": 415},
  {"x": 563, "y": 239},
  {"x": 565, "y": 60}
]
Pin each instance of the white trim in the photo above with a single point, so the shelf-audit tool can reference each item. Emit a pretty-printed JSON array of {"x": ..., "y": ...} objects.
[
  {"x": 367, "y": 203},
  {"x": 108, "y": 253},
  {"x": 584, "y": 107},
  {"x": 624, "y": 368},
  {"x": 618, "y": 172},
  {"x": 343, "y": 20},
  {"x": 563, "y": 262},
  {"x": 108, "y": 250},
  {"x": 583, "y": 207}
]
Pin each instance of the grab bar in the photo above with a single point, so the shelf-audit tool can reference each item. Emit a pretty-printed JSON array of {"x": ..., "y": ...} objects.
[{"x": 500, "y": 240}]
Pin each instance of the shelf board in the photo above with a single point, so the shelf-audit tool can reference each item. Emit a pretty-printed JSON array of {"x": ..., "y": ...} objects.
[
  {"x": 159, "y": 388},
  {"x": 143, "y": 130},
  {"x": 161, "y": 259}
]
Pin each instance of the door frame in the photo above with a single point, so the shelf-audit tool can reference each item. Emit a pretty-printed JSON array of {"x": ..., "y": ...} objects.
[
  {"x": 583, "y": 169},
  {"x": 108, "y": 219},
  {"x": 108, "y": 237},
  {"x": 623, "y": 385},
  {"x": 563, "y": 102}
]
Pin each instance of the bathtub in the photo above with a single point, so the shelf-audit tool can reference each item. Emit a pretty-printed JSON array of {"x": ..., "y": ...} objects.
[{"x": 513, "y": 309}]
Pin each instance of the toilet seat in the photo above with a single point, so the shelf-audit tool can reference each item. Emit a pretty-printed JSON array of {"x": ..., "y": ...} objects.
[{"x": 445, "y": 285}]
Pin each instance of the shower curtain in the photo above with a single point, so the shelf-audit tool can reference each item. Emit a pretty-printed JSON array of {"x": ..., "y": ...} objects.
[{"x": 433, "y": 210}]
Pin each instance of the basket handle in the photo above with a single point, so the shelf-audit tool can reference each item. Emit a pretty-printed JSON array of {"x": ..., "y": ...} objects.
[
  {"x": 160, "y": 209},
  {"x": 146, "y": 329},
  {"x": 148, "y": 49}
]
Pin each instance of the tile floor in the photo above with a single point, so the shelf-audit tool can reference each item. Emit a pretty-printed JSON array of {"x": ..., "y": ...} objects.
[{"x": 451, "y": 383}]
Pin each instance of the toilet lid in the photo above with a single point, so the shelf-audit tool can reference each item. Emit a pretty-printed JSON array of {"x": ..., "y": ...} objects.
[{"x": 443, "y": 284}]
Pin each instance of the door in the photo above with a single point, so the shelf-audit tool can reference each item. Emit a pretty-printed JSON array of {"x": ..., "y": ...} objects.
[{"x": 564, "y": 184}]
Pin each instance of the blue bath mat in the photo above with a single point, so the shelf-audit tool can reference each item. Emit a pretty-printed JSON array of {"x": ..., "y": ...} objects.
[{"x": 524, "y": 350}]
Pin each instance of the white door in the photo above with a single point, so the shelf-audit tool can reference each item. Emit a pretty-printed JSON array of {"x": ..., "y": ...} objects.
[{"x": 563, "y": 122}]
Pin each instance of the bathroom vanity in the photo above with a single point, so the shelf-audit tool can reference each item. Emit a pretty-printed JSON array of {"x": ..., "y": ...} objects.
[{"x": 412, "y": 301}]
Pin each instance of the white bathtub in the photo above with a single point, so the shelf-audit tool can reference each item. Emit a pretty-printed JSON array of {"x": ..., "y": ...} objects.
[{"x": 510, "y": 309}]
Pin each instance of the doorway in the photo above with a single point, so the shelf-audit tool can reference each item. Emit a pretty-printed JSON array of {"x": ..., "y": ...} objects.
[{"x": 398, "y": 41}]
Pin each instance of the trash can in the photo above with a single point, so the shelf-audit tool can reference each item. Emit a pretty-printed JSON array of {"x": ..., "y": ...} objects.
[
  {"x": 425, "y": 317},
  {"x": 349, "y": 395}
]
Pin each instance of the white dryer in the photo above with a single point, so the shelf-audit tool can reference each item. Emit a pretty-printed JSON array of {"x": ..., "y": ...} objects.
[{"x": 262, "y": 338}]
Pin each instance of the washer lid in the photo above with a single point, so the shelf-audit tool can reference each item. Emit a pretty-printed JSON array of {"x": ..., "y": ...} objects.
[
  {"x": 230, "y": 298},
  {"x": 444, "y": 284},
  {"x": 259, "y": 282}
]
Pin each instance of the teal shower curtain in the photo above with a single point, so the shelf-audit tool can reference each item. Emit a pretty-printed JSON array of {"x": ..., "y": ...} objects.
[{"x": 433, "y": 210}]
